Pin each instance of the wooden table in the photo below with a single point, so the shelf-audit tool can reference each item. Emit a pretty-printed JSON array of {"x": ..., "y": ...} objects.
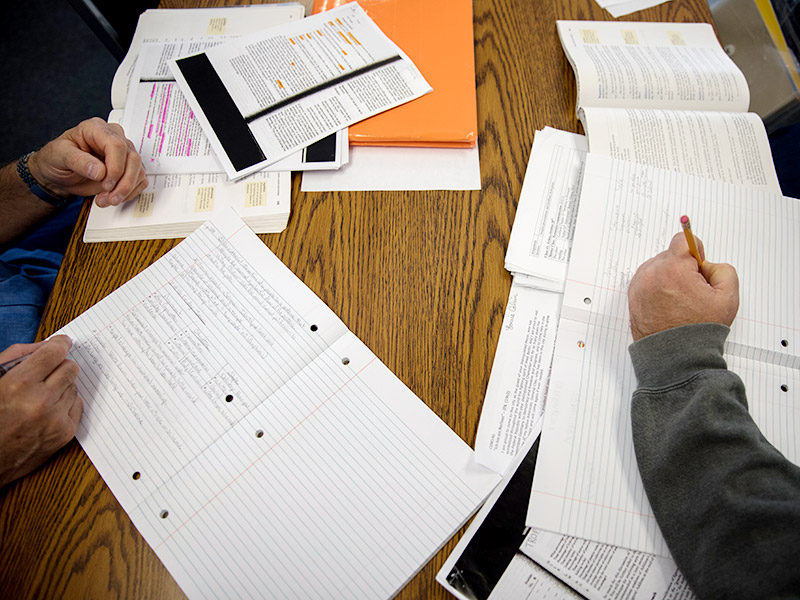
[{"x": 418, "y": 276}]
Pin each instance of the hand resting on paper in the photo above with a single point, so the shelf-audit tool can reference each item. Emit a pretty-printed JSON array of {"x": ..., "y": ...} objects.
[
  {"x": 39, "y": 406},
  {"x": 93, "y": 158},
  {"x": 669, "y": 290}
]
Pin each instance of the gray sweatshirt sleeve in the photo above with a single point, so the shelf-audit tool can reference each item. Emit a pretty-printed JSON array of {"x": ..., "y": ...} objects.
[{"x": 727, "y": 502}]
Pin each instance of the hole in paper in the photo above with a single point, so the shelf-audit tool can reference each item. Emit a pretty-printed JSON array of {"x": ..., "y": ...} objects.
[
  {"x": 259, "y": 433},
  {"x": 136, "y": 475},
  {"x": 784, "y": 388},
  {"x": 581, "y": 344},
  {"x": 163, "y": 514},
  {"x": 587, "y": 300},
  {"x": 313, "y": 328},
  {"x": 229, "y": 398},
  {"x": 785, "y": 343},
  {"x": 345, "y": 361}
]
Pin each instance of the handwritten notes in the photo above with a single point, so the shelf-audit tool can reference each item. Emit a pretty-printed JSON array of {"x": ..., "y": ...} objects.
[
  {"x": 259, "y": 447},
  {"x": 587, "y": 483}
]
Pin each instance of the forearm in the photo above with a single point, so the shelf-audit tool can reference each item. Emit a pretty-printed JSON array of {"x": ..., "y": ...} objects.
[
  {"x": 20, "y": 210},
  {"x": 727, "y": 502}
]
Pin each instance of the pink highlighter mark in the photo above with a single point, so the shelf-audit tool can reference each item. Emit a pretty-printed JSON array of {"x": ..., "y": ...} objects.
[
  {"x": 189, "y": 148},
  {"x": 150, "y": 131}
]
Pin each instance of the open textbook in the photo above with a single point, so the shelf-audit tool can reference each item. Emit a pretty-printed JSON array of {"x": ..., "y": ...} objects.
[
  {"x": 263, "y": 96},
  {"x": 173, "y": 206},
  {"x": 256, "y": 444},
  {"x": 155, "y": 114},
  {"x": 586, "y": 482},
  {"x": 666, "y": 94}
]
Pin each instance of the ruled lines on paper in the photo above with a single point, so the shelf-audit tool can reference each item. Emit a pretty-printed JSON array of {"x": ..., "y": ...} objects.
[
  {"x": 586, "y": 482},
  {"x": 259, "y": 447}
]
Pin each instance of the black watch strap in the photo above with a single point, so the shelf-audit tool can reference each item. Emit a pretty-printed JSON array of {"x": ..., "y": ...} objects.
[{"x": 35, "y": 188}]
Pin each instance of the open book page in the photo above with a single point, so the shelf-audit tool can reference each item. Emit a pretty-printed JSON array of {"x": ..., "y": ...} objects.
[
  {"x": 676, "y": 66},
  {"x": 166, "y": 133},
  {"x": 587, "y": 483},
  {"x": 514, "y": 403},
  {"x": 259, "y": 447},
  {"x": 604, "y": 572},
  {"x": 541, "y": 237},
  {"x": 175, "y": 205},
  {"x": 263, "y": 96},
  {"x": 166, "y": 24},
  {"x": 726, "y": 146}
]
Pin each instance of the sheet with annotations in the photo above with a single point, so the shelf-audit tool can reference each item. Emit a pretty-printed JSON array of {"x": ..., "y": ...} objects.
[{"x": 259, "y": 447}]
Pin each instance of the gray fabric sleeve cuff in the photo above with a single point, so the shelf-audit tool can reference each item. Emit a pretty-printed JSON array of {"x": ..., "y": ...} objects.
[{"x": 674, "y": 355}]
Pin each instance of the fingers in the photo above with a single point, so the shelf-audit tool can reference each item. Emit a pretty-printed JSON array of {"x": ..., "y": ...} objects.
[
  {"x": 721, "y": 276},
  {"x": 17, "y": 350},
  {"x": 122, "y": 172},
  {"x": 83, "y": 163},
  {"x": 74, "y": 413},
  {"x": 44, "y": 360}
]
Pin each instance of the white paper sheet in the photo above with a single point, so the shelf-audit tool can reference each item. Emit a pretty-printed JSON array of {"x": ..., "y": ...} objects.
[
  {"x": 258, "y": 446},
  {"x": 397, "y": 169},
  {"x": 163, "y": 127},
  {"x": 603, "y": 572},
  {"x": 617, "y": 8},
  {"x": 541, "y": 238},
  {"x": 586, "y": 482},
  {"x": 294, "y": 84},
  {"x": 515, "y": 397},
  {"x": 675, "y": 66},
  {"x": 178, "y": 23},
  {"x": 725, "y": 146}
]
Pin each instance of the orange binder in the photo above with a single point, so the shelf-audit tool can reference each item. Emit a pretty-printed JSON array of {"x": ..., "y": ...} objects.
[{"x": 437, "y": 36}]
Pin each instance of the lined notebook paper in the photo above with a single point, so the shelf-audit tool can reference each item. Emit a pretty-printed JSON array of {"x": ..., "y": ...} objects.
[
  {"x": 586, "y": 482},
  {"x": 259, "y": 447}
]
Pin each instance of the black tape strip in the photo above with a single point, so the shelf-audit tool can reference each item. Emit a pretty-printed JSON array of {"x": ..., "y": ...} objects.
[
  {"x": 322, "y": 86},
  {"x": 227, "y": 122}
]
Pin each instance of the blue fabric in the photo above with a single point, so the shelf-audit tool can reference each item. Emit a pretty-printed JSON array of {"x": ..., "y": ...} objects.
[{"x": 27, "y": 274}]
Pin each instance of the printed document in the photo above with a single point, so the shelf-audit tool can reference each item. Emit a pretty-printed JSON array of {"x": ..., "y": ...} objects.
[
  {"x": 263, "y": 96},
  {"x": 256, "y": 444},
  {"x": 515, "y": 397},
  {"x": 166, "y": 133}
]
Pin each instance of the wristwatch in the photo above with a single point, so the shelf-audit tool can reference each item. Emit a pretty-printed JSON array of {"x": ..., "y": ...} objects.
[{"x": 35, "y": 188}]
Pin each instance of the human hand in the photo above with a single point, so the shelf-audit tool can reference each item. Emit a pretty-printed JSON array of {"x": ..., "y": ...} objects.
[
  {"x": 39, "y": 406},
  {"x": 669, "y": 290},
  {"x": 94, "y": 158}
]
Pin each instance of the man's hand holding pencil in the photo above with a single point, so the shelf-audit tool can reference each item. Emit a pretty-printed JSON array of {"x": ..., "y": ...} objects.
[{"x": 679, "y": 287}]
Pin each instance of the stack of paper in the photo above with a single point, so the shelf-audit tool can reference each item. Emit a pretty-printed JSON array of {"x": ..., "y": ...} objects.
[
  {"x": 586, "y": 221},
  {"x": 186, "y": 183},
  {"x": 173, "y": 206},
  {"x": 430, "y": 143}
]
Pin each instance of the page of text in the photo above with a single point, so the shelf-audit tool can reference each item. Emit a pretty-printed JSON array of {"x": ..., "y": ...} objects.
[
  {"x": 678, "y": 66},
  {"x": 730, "y": 147}
]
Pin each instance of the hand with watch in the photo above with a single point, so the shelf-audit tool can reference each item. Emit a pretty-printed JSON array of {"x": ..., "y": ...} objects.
[{"x": 92, "y": 159}]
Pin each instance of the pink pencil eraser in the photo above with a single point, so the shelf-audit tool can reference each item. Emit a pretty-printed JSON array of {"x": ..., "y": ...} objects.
[{"x": 684, "y": 220}]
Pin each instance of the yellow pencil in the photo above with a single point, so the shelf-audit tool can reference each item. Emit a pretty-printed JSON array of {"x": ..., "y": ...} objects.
[{"x": 687, "y": 231}]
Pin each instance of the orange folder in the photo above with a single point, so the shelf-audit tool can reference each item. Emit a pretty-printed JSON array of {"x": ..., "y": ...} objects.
[{"x": 437, "y": 37}]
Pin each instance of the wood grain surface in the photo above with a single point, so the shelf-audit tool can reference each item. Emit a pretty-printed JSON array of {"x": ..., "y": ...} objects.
[{"x": 418, "y": 276}]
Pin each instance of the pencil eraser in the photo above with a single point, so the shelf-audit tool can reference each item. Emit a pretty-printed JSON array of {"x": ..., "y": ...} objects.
[{"x": 684, "y": 220}]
